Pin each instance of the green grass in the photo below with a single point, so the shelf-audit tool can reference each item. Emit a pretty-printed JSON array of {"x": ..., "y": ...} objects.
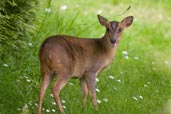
[{"x": 139, "y": 86}]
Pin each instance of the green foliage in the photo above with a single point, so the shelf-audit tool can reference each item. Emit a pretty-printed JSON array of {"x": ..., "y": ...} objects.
[
  {"x": 17, "y": 29},
  {"x": 16, "y": 23}
]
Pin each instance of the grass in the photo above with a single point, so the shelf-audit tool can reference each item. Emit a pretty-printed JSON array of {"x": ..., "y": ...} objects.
[{"x": 140, "y": 84}]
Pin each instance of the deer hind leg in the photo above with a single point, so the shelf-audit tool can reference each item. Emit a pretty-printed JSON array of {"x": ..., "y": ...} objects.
[
  {"x": 84, "y": 90},
  {"x": 44, "y": 85},
  {"x": 59, "y": 84},
  {"x": 91, "y": 83}
]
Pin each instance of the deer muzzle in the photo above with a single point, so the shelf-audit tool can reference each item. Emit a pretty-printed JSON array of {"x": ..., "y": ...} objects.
[{"x": 112, "y": 41}]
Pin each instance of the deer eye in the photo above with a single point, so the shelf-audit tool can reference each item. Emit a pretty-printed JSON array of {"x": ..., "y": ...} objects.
[
  {"x": 107, "y": 29},
  {"x": 120, "y": 29}
]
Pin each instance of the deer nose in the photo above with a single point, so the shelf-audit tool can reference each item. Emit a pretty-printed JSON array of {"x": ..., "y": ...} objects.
[{"x": 112, "y": 40}]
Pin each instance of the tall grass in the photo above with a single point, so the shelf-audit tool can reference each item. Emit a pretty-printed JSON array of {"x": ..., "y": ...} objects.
[{"x": 136, "y": 83}]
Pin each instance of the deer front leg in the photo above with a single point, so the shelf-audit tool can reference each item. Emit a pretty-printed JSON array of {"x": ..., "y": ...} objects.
[
  {"x": 91, "y": 83},
  {"x": 84, "y": 90}
]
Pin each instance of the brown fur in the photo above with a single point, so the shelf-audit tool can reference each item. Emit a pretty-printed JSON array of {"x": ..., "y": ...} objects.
[{"x": 68, "y": 57}]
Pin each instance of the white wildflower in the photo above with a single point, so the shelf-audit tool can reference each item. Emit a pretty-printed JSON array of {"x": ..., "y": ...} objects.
[
  {"x": 111, "y": 77},
  {"x": 36, "y": 104},
  {"x": 51, "y": 95},
  {"x": 25, "y": 107},
  {"x": 64, "y": 107},
  {"x": 18, "y": 80},
  {"x": 28, "y": 80},
  {"x": 134, "y": 98},
  {"x": 148, "y": 83},
  {"x": 136, "y": 58},
  {"x": 53, "y": 110},
  {"x": 124, "y": 52},
  {"x": 53, "y": 103},
  {"x": 47, "y": 110},
  {"x": 19, "y": 109},
  {"x": 105, "y": 100},
  {"x": 97, "y": 90},
  {"x": 99, "y": 11},
  {"x": 47, "y": 10},
  {"x": 166, "y": 62},
  {"x": 115, "y": 88},
  {"x": 126, "y": 57},
  {"x": 99, "y": 101},
  {"x": 119, "y": 81},
  {"x": 25, "y": 76},
  {"x": 71, "y": 84},
  {"x": 97, "y": 80},
  {"x": 157, "y": 91},
  {"x": 63, "y": 101},
  {"x": 30, "y": 44},
  {"x": 30, "y": 103},
  {"x": 5, "y": 65},
  {"x": 64, "y": 7},
  {"x": 141, "y": 97},
  {"x": 145, "y": 85}
]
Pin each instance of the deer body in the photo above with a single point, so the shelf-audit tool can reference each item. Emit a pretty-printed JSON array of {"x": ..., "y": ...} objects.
[
  {"x": 75, "y": 55},
  {"x": 82, "y": 58}
]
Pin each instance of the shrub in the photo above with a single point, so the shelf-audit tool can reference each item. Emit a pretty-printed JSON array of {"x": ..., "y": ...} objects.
[{"x": 16, "y": 23}]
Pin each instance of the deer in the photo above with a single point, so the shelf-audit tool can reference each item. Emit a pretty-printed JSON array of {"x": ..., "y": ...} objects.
[{"x": 66, "y": 57}]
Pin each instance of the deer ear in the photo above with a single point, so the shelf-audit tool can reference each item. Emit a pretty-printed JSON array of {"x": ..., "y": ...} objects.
[
  {"x": 127, "y": 21},
  {"x": 103, "y": 21}
]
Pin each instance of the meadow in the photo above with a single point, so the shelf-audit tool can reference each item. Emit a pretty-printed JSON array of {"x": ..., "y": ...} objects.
[{"x": 137, "y": 82}]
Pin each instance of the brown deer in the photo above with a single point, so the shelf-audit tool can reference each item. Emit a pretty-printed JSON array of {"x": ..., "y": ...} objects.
[{"x": 82, "y": 58}]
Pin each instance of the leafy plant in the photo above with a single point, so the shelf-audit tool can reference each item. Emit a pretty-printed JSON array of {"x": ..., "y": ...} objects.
[{"x": 16, "y": 23}]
